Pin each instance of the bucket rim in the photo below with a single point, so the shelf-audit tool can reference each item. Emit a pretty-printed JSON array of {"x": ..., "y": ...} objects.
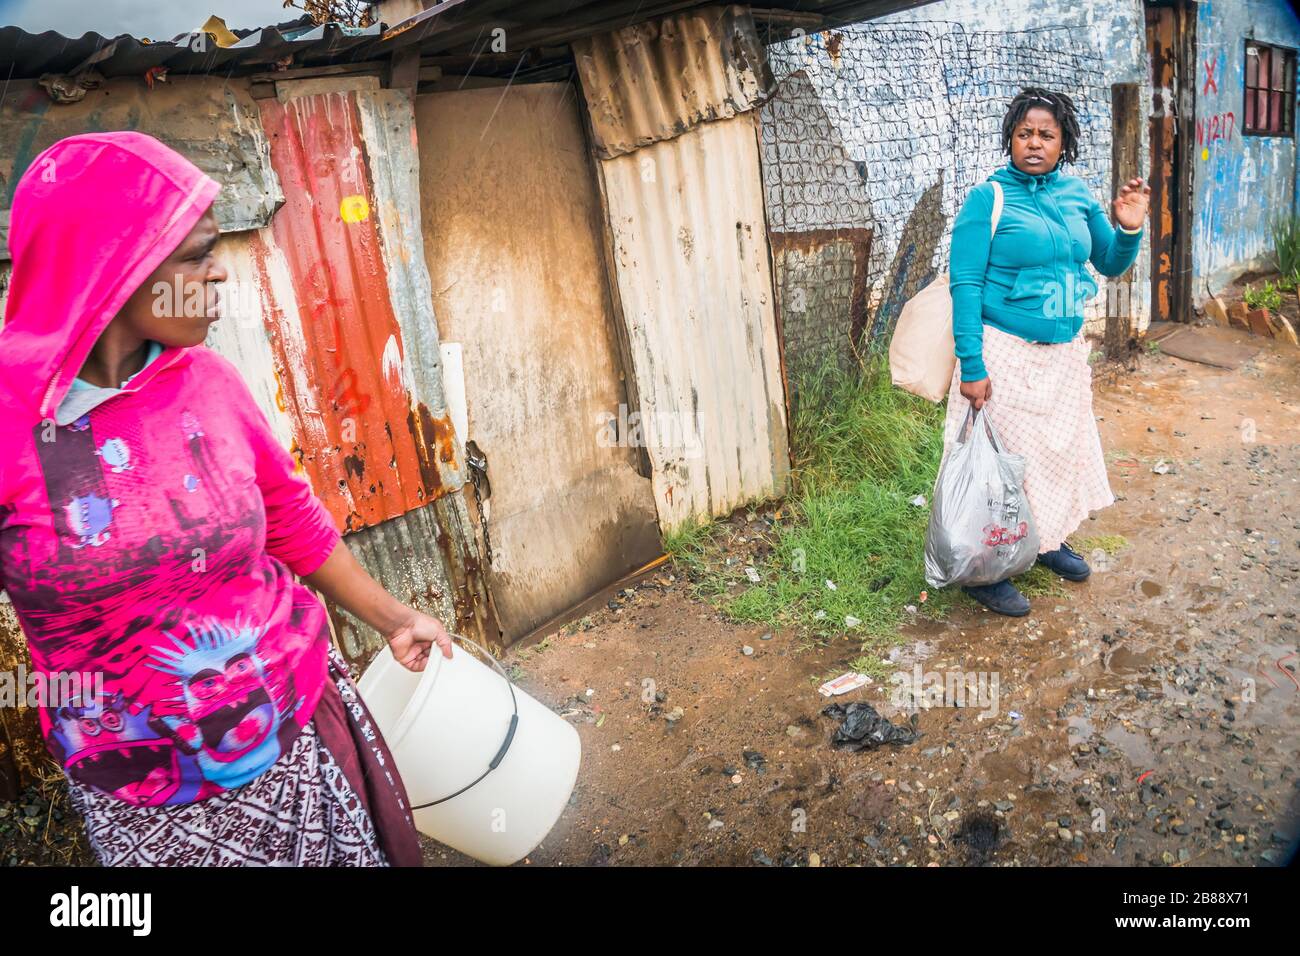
[{"x": 415, "y": 703}]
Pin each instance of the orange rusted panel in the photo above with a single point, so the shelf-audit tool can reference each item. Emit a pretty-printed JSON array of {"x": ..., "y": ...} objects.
[{"x": 369, "y": 456}]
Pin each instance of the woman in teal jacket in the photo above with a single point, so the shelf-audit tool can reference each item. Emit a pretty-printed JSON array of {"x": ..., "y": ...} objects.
[{"x": 1018, "y": 303}]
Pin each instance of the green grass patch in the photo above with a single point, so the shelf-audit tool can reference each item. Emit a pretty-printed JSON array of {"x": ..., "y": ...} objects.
[{"x": 862, "y": 450}]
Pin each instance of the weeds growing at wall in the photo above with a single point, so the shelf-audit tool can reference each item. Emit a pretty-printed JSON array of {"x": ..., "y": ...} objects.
[
  {"x": 1286, "y": 246},
  {"x": 863, "y": 450}
]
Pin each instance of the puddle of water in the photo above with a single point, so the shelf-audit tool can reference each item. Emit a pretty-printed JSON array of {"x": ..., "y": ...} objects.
[
  {"x": 1122, "y": 660},
  {"x": 1134, "y": 746},
  {"x": 1078, "y": 730}
]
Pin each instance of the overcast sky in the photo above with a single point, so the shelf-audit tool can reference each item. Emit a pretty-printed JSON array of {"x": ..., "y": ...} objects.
[{"x": 155, "y": 19}]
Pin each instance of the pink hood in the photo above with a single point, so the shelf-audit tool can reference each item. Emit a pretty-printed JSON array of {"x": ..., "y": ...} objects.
[{"x": 93, "y": 216}]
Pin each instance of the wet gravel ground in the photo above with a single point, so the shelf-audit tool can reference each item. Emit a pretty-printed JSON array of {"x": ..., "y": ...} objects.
[
  {"x": 41, "y": 829},
  {"x": 1147, "y": 716}
]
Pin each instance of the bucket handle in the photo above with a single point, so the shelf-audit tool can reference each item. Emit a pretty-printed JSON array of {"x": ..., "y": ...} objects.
[{"x": 510, "y": 731}]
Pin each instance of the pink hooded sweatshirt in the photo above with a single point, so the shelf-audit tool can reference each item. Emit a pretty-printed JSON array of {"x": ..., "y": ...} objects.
[{"x": 152, "y": 542}]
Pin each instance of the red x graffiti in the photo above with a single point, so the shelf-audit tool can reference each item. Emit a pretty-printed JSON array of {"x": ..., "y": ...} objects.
[{"x": 1210, "y": 66}]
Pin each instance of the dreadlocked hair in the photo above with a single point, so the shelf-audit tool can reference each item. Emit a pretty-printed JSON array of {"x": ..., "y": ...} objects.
[{"x": 1058, "y": 104}]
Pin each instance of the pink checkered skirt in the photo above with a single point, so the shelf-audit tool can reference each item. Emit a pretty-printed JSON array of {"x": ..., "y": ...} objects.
[{"x": 1042, "y": 409}]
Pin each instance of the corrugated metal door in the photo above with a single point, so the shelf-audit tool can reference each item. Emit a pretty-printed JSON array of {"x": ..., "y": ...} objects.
[
  {"x": 695, "y": 279},
  {"x": 512, "y": 234}
]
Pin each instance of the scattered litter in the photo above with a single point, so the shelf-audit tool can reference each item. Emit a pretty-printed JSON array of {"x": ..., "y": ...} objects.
[
  {"x": 766, "y": 637},
  {"x": 843, "y": 684},
  {"x": 1162, "y": 467},
  {"x": 925, "y": 596},
  {"x": 919, "y": 501},
  {"x": 716, "y": 824},
  {"x": 1145, "y": 775},
  {"x": 747, "y": 651},
  {"x": 831, "y": 585},
  {"x": 820, "y": 616},
  {"x": 590, "y": 691},
  {"x": 752, "y": 574},
  {"x": 910, "y": 608},
  {"x": 616, "y": 748},
  {"x": 674, "y": 715},
  {"x": 864, "y": 729},
  {"x": 600, "y": 720},
  {"x": 1017, "y": 715},
  {"x": 754, "y": 760},
  {"x": 851, "y": 621}
]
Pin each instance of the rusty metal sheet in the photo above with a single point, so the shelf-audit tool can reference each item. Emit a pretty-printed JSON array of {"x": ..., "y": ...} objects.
[
  {"x": 694, "y": 276},
  {"x": 213, "y": 124},
  {"x": 427, "y": 556},
  {"x": 343, "y": 363},
  {"x": 388, "y": 129},
  {"x": 427, "y": 559},
  {"x": 656, "y": 80},
  {"x": 513, "y": 234}
]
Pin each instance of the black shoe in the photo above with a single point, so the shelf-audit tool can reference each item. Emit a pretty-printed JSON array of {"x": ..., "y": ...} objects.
[
  {"x": 1066, "y": 562},
  {"x": 1001, "y": 597}
]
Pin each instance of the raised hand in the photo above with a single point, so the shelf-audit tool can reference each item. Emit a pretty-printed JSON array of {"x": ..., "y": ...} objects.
[{"x": 1132, "y": 203}]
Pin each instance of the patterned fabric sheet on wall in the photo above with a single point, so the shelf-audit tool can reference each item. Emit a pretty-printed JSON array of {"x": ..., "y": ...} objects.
[{"x": 870, "y": 144}]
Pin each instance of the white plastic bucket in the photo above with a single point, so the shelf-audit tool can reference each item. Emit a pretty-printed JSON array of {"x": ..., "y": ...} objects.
[{"x": 444, "y": 727}]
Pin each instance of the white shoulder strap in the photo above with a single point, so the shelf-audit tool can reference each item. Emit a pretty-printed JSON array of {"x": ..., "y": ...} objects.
[{"x": 997, "y": 206}]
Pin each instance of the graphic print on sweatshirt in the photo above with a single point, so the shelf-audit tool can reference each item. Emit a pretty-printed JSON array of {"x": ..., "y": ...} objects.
[{"x": 192, "y": 702}]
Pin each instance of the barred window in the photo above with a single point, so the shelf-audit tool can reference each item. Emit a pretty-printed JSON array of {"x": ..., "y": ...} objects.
[{"x": 1270, "y": 90}]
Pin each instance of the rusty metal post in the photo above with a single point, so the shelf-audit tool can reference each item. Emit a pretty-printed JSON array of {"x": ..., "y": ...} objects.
[{"x": 1126, "y": 145}]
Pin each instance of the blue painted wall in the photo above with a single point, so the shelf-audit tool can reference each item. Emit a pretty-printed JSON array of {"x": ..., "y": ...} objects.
[{"x": 1239, "y": 182}]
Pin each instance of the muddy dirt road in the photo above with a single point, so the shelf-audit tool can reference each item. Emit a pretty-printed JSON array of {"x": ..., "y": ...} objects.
[{"x": 1148, "y": 716}]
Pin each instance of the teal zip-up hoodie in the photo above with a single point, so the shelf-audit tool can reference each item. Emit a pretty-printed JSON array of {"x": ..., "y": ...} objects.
[{"x": 1031, "y": 280}]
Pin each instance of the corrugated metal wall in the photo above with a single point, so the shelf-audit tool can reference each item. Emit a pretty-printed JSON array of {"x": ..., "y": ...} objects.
[
  {"x": 694, "y": 275},
  {"x": 329, "y": 315},
  {"x": 345, "y": 293},
  {"x": 349, "y": 376},
  {"x": 684, "y": 200},
  {"x": 425, "y": 555}
]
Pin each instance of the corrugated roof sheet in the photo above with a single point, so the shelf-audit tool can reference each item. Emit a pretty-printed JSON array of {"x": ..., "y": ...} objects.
[
  {"x": 454, "y": 26},
  {"x": 469, "y": 25},
  {"x": 24, "y": 55},
  {"x": 656, "y": 80}
]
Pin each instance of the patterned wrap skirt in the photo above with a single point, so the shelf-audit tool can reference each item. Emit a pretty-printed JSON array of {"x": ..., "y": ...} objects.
[
  {"x": 334, "y": 799},
  {"x": 1042, "y": 409}
]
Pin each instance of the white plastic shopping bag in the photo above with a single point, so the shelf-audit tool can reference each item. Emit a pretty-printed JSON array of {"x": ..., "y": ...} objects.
[{"x": 980, "y": 531}]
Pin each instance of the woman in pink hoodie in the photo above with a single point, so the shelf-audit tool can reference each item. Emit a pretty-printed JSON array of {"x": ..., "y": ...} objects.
[{"x": 152, "y": 531}]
